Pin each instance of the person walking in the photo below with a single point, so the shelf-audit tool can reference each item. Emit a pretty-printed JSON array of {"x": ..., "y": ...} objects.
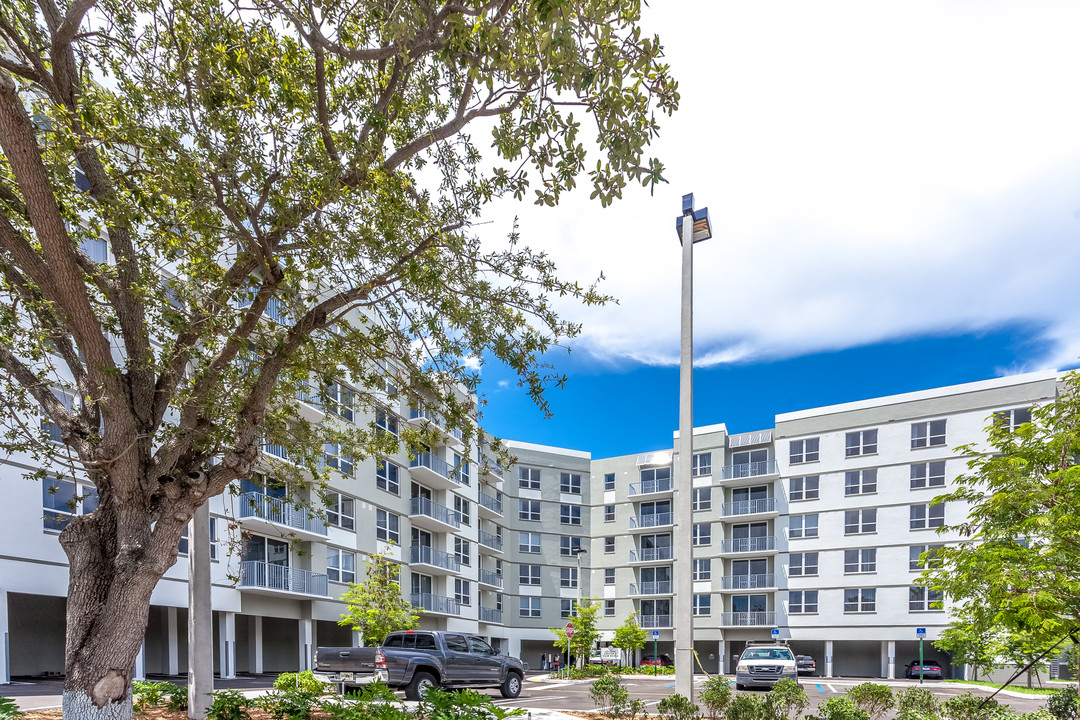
[{"x": 543, "y": 661}]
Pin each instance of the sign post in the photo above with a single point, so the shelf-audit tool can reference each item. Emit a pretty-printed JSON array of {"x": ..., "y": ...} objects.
[
  {"x": 569, "y": 634},
  {"x": 655, "y": 652},
  {"x": 921, "y": 634}
]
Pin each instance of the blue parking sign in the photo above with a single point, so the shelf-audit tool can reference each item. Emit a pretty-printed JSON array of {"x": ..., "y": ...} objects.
[
  {"x": 656, "y": 633},
  {"x": 920, "y": 632}
]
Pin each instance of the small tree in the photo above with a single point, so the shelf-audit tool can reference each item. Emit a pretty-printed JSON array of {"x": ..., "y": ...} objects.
[
  {"x": 873, "y": 698},
  {"x": 376, "y": 606},
  {"x": 586, "y": 613},
  {"x": 630, "y": 636},
  {"x": 788, "y": 699}
]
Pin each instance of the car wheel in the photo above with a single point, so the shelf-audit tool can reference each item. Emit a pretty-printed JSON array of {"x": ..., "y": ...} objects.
[
  {"x": 740, "y": 686},
  {"x": 511, "y": 686},
  {"x": 421, "y": 681}
]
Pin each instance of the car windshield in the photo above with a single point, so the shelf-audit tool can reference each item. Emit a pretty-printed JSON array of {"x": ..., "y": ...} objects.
[{"x": 767, "y": 654}]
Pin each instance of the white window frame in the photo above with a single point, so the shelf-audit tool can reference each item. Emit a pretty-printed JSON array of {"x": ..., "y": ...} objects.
[
  {"x": 387, "y": 476},
  {"x": 570, "y": 483},
  {"x": 529, "y": 478},
  {"x": 860, "y": 560},
  {"x": 386, "y": 421},
  {"x": 335, "y": 565},
  {"x": 464, "y": 509},
  {"x": 860, "y": 600},
  {"x": 567, "y": 543},
  {"x": 341, "y": 511},
  {"x": 701, "y": 499},
  {"x": 463, "y": 592},
  {"x": 861, "y": 442},
  {"x": 529, "y": 575},
  {"x": 702, "y": 569},
  {"x": 387, "y": 526},
  {"x": 804, "y": 451},
  {"x": 528, "y": 607},
  {"x": 802, "y": 602},
  {"x": 861, "y": 521},
  {"x": 609, "y": 544},
  {"x": 463, "y": 551},
  {"x": 803, "y": 526},
  {"x": 927, "y": 434},
  {"x": 569, "y": 514},
  {"x": 806, "y": 566},
  {"x": 803, "y": 488},
  {"x": 860, "y": 482},
  {"x": 923, "y": 599},
  {"x": 609, "y": 513},
  {"x": 925, "y": 516},
  {"x": 915, "y": 558},
  {"x": 609, "y": 576},
  {"x": 702, "y": 605},
  {"x": 701, "y": 464},
  {"x": 701, "y": 534},
  {"x": 529, "y": 543},
  {"x": 529, "y": 510},
  {"x": 609, "y": 481},
  {"x": 568, "y": 577},
  {"x": 928, "y": 474}
]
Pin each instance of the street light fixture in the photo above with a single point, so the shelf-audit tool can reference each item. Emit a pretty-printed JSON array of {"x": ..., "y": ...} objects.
[
  {"x": 577, "y": 553},
  {"x": 693, "y": 226}
]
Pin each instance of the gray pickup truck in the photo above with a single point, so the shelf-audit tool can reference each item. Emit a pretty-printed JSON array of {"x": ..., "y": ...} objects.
[{"x": 417, "y": 659}]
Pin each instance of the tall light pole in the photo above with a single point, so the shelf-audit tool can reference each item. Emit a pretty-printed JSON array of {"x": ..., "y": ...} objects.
[
  {"x": 578, "y": 552},
  {"x": 693, "y": 226}
]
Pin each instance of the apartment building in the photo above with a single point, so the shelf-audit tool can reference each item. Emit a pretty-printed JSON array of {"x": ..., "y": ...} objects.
[{"x": 815, "y": 528}]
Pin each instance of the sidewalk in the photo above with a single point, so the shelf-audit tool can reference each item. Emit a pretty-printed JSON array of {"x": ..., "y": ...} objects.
[{"x": 43, "y": 693}]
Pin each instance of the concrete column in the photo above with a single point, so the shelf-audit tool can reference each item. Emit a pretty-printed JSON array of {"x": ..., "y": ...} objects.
[
  {"x": 5, "y": 648},
  {"x": 890, "y": 649},
  {"x": 255, "y": 645},
  {"x": 227, "y": 644},
  {"x": 357, "y": 639},
  {"x": 828, "y": 658},
  {"x": 515, "y": 648},
  {"x": 723, "y": 665},
  {"x": 172, "y": 661},
  {"x": 200, "y": 616},
  {"x": 307, "y": 638},
  {"x": 140, "y": 663}
]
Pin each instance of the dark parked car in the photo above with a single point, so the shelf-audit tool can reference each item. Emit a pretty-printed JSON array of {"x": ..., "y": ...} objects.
[
  {"x": 805, "y": 665},
  {"x": 930, "y": 669},
  {"x": 661, "y": 660}
]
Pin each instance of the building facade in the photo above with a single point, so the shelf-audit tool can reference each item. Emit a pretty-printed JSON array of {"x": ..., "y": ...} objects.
[{"x": 815, "y": 528}]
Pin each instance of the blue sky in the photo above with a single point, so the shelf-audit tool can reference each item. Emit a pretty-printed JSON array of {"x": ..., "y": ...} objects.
[{"x": 895, "y": 196}]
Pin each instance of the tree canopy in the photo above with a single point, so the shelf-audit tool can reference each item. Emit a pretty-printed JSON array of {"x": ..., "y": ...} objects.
[
  {"x": 581, "y": 643},
  {"x": 376, "y": 606},
  {"x": 630, "y": 636}
]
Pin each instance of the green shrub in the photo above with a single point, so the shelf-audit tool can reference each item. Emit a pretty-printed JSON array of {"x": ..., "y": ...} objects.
[
  {"x": 875, "y": 699},
  {"x": 608, "y": 694},
  {"x": 299, "y": 681},
  {"x": 228, "y": 705},
  {"x": 787, "y": 699},
  {"x": 839, "y": 708},
  {"x": 915, "y": 703},
  {"x": 9, "y": 710},
  {"x": 748, "y": 706},
  {"x": 715, "y": 695},
  {"x": 1037, "y": 714},
  {"x": 589, "y": 671},
  {"x": 678, "y": 707},
  {"x": 969, "y": 707},
  {"x": 374, "y": 691},
  {"x": 439, "y": 704},
  {"x": 1064, "y": 705},
  {"x": 154, "y": 694},
  {"x": 288, "y": 704}
]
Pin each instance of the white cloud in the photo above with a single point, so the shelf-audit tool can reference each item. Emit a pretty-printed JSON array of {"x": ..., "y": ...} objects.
[
  {"x": 873, "y": 171},
  {"x": 472, "y": 362}
]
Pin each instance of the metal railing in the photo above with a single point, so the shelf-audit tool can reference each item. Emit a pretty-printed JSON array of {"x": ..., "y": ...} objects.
[
  {"x": 490, "y": 578},
  {"x": 747, "y": 619},
  {"x": 748, "y": 582},
  {"x": 434, "y": 557},
  {"x": 751, "y": 438},
  {"x": 277, "y": 451},
  {"x": 751, "y": 544},
  {"x": 745, "y": 470},
  {"x": 281, "y": 512},
  {"x": 436, "y": 603},
  {"x": 492, "y": 541},
  {"x": 491, "y": 502},
  {"x": 654, "y": 520},
  {"x": 255, "y": 573},
  {"x": 490, "y": 615},
  {"x": 651, "y": 554},
  {"x": 429, "y": 508},
  {"x": 655, "y": 621},
  {"x": 306, "y": 395},
  {"x": 749, "y": 507},
  {"x": 650, "y": 486},
  {"x": 433, "y": 463},
  {"x": 660, "y": 587}
]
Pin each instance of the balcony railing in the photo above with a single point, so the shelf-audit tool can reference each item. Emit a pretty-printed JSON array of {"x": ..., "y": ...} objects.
[
  {"x": 751, "y": 438},
  {"x": 651, "y": 554},
  {"x": 433, "y": 463},
  {"x": 648, "y": 521},
  {"x": 650, "y": 486},
  {"x": 660, "y": 587},
  {"x": 306, "y": 395},
  {"x": 434, "y": 557},
  {"x": 276, "y": 510},
  {"x": 752, "y": 544},
  {"x": 492, "y": 541},
  {"x": 749, "y": 507},
  {"x": 277, "y": 451},
  {"x": 655, "y": 621},
  {"x": 747, "y": 619},
  {"x": 745, "y": 470},
  {"x": 490, "y": 615},
  {"x": 492, "y": 503},
  {"x": 435, "y": 511},
  {"x": 258, "y": 574},
  {"x": 747, "y": 582},
  {"x": 490, "y": 578},
  {"x": 436, "y": 603}
]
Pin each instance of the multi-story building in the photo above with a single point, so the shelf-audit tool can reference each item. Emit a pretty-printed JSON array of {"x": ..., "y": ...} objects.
[{"x": 815, "y": 529}]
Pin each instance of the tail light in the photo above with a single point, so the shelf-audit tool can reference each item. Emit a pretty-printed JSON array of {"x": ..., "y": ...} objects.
[{"x": 380, "y": 660}]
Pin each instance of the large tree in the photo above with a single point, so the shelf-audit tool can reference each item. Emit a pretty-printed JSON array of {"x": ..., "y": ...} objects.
[
  {"x": 207, "y": 204},
  {"x": 376, "y": 606},
  {"x": 1015, "y": 575}
]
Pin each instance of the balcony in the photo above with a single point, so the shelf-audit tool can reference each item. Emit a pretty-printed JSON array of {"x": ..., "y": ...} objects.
[
  {"x": 655, "y": 621},
  {"x": 277, "y": 451},
  {"x": 489, "y": 540},
  {"x": 748, "y": 582},
  {"x": 752, "y": 544},
  {"x": 428, "y": 514},
  {"x": 433, "y": 471},
  {"x": 647, "y": 522},
  {"x": 491, "y": 506},
  {"x": 747, "y": 619},
  {"x": 650, "y": 555},
  {"x": 437, "y": 561},
  {"x": 650, "y": 487},
  {"x": 436, "y": 604},
  {"x": 311, "y": 407},
  {"x": 745, "y": 471},
  {"x": 491, "y": 616},
  {"x": 267, "y": 579},
  {"x": 491, "y": 579},
  {"x": 662, "y": 587},
  {"x": 263, "y": 513},
  {"x": 760, "y": 506}
]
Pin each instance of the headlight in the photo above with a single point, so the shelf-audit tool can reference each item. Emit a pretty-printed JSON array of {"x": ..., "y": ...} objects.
[{"x": 742, "y": 668}]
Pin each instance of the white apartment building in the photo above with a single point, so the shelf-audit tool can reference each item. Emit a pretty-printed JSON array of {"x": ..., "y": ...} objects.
[{"x": 814, "y": 528}]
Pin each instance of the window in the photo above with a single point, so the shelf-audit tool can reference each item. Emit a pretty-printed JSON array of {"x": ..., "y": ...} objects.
[
  {"x": 529, "y": 478},
  {"x": 655, "y": 480},
  {"x": 860, "y": 521},
  {"x": 339, "y": 401},
  {"x": 528, "y": 542},
  {"x": 609, "y": 544},
  {"x": 918, "y": 561},
  {"x": 529, "y": 510},
  {"x": 860, "y": 600},
  {"x": 567, "y": 608},
  {"x": 609, "y": 608},
  {"x": 569, "y": 514},
  {"x": 340, "y": 565},
  {"x": 529, "y": 607},
  {"x": 927, "y": 516},
  {"x": 386, "y": 476},
  {"x": 609, "y": 481},
  {"x": 803, "y": 451},
  {"x": 860, "y": 482},
  {"x": 464, "y": 510},
  {"x": 609, "y": 576},
  {"x": 463, "y": 551},
  {"x": 183, "y": 546},
  {"x": 335, "y": 458},
  {"x": 927, "y": 434},
  {"x": 862, "y": 560},
  {"x": 68, "y": 401},
  {"x": 609, "y": 513},
  {"x": 528, "y": 574},
  {"x": 702, "y": 534},
  {"x": 1010, "y": 420},
  {"x": 462, "y": 592},
  {"x": 570, "y": 483},
  {"x": 922, "y": 599},
  {"x": 386, "y": 422},
  {"x": 339, "y": 511},
  {"x": 928, "y": 474},
  {"x": 568, "y": 544},
  {"x": 461, "y": 470},
  {"x": 803, "y": 488},
  {"x": 702, "y": 569},
  {"x": 703, "y": 605},
  {"x": 701, "y": 464},
  {"x": 860, "y": 442},
  {"x": 801, "y": 602},
  {"x": 701, "y": 499},
  {"x": 64, "y": 499},
  {"x": 803, "y": 526},
  {"x": 803, "y": 564},
  {"x": 568, "y": 577},
  {"x": 386, "y": 526}
]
